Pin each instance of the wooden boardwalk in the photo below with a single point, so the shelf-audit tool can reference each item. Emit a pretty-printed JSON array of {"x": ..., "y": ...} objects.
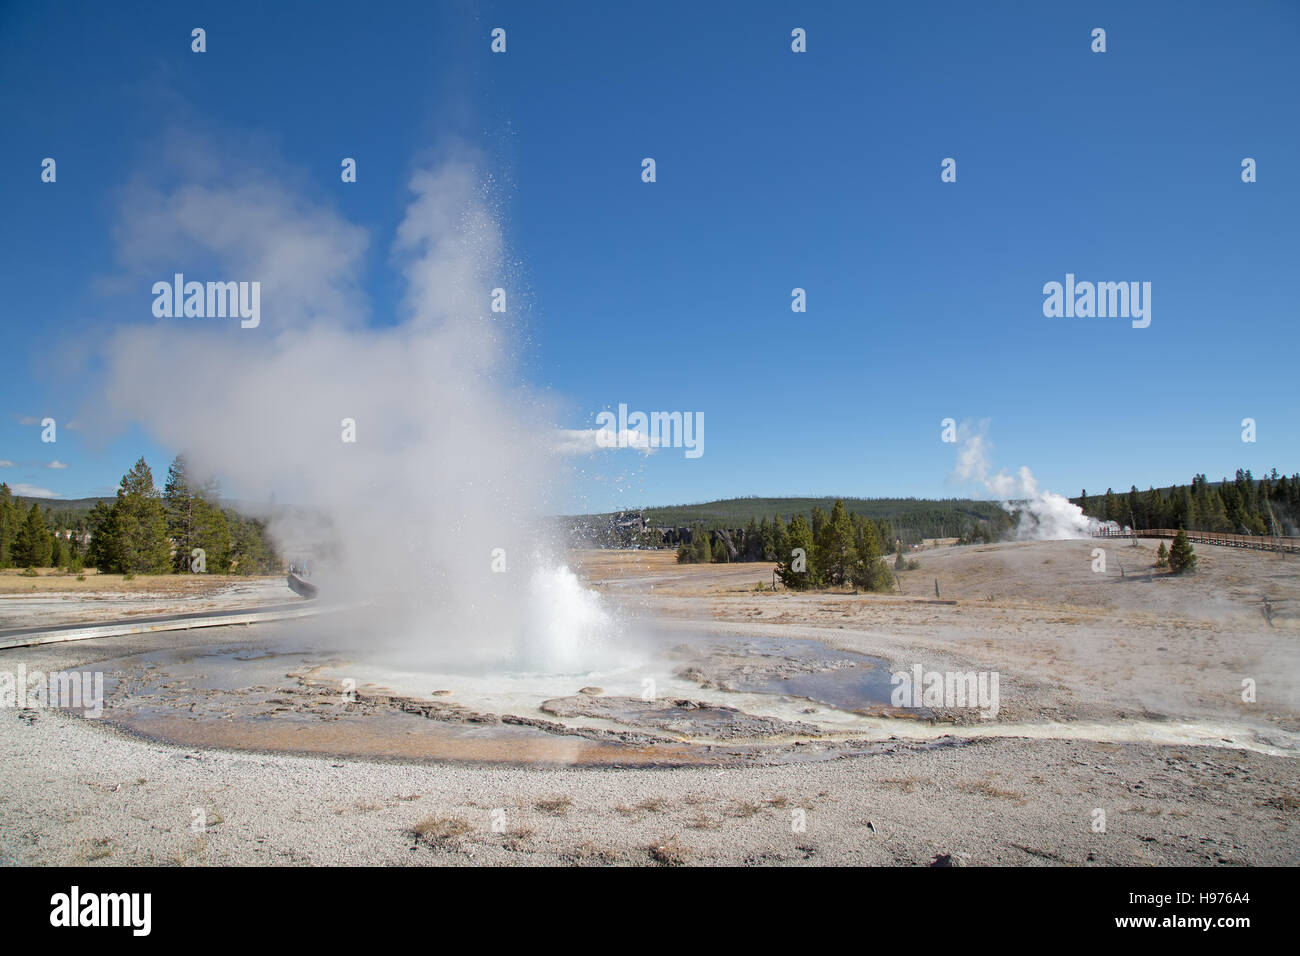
[{"x": 1255, "y": 542}]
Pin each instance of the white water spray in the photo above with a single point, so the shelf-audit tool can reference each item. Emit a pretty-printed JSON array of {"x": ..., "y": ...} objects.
[{"x": 435, "y": 507}]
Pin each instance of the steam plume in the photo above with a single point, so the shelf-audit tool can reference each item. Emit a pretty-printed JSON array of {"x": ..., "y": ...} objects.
[
  {"x": 1044, "y": 515},
  {"x": 450, "y": 458}
]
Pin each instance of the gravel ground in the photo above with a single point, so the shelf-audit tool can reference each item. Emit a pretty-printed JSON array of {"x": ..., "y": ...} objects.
[
  {"x": 72, "y": 792},
  {"x": 61, "y": 599},
  {"x": 1071, "y": 647}
]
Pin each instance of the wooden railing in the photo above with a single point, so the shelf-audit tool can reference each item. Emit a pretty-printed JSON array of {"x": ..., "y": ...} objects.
[{"x": 1256, "y": 542}]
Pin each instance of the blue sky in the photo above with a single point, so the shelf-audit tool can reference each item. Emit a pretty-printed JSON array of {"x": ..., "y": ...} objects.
[{"x": 775, "y": 170}]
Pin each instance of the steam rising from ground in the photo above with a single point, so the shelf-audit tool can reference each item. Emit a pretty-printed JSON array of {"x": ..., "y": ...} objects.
[
  {"x": 452, "y": 459},
  {"x": 1044, "y": 515}
]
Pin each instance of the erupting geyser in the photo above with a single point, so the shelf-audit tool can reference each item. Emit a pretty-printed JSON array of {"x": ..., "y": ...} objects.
[
  {"x": 568, "y": 630},
  {"x": 412, "y": 439}
]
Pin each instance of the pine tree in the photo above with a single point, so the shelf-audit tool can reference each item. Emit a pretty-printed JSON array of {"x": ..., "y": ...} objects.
[
  {"x": 139, "y": 525},
  {"x": 818, "y": 522},
  {"x": 1201, "y": 518},
  {"x": 749, "y": 542},
  {"x": 1181, "y": 555},
  {"x": 1162, "y": 556},
  {"x": 194, "y": 520},
  {"x": 1216, "y": 518},
  {"x": 780, "y": 539},
  {"x": 8, "y": 526},
  {"x": 73, "y": 550},
  {"x": 178, "y": 502},
  {"x": 211, "y": 532},
  {"x": 33, "y": 541},
  {"x": 871, "y": 573},
  {"x": 251, "y": 549},
  {"x": 101, "y": 549},
  {"x": 1151, "y": 505},
  {"x": 798, "y": 538},
  {"x": 1183, "y": 513},
  {"x": 836, "y": 554},
  {"x": 1111, "y": 508},
  {"x": 701, "y": 550},
  {"x": 20, "y": 549}
]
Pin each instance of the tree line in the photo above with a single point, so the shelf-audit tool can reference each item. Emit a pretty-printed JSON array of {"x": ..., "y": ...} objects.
[
  {"x": 820, "y": 550},
  {"x": 1245, "y": 505},
  {"x": 142, "y": 531},
  {"x": 911, "y": 518}
]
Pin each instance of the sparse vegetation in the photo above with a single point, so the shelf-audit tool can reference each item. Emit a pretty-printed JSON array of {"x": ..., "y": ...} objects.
[
  {"x": 669, "y": 853},
  {"x": 1286, "y": 801},
  {"x": 554, "y": 806},
  {"x": 642, "y": 807},
  {"x": 744, "y": 808},
  {"x": 984, "y": 788},
  {"x": 704, "y": 822},
  {"x": 593, "y": 853},
  {"x": 516, "y": 840},
  {"x": 99, "y": 849},
  {"x": 903, "y": 784},
  {"x": 435, "y": 830}
]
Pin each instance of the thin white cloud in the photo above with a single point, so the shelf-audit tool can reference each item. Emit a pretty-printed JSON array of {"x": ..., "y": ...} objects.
[
  {"x": 55, "y": 465},
  {"x": 585, "y": 441},
  {"x": 32, "y": 491}
]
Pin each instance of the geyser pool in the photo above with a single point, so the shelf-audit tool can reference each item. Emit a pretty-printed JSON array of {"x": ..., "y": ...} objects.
[{"x": 578, "y": 700}]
